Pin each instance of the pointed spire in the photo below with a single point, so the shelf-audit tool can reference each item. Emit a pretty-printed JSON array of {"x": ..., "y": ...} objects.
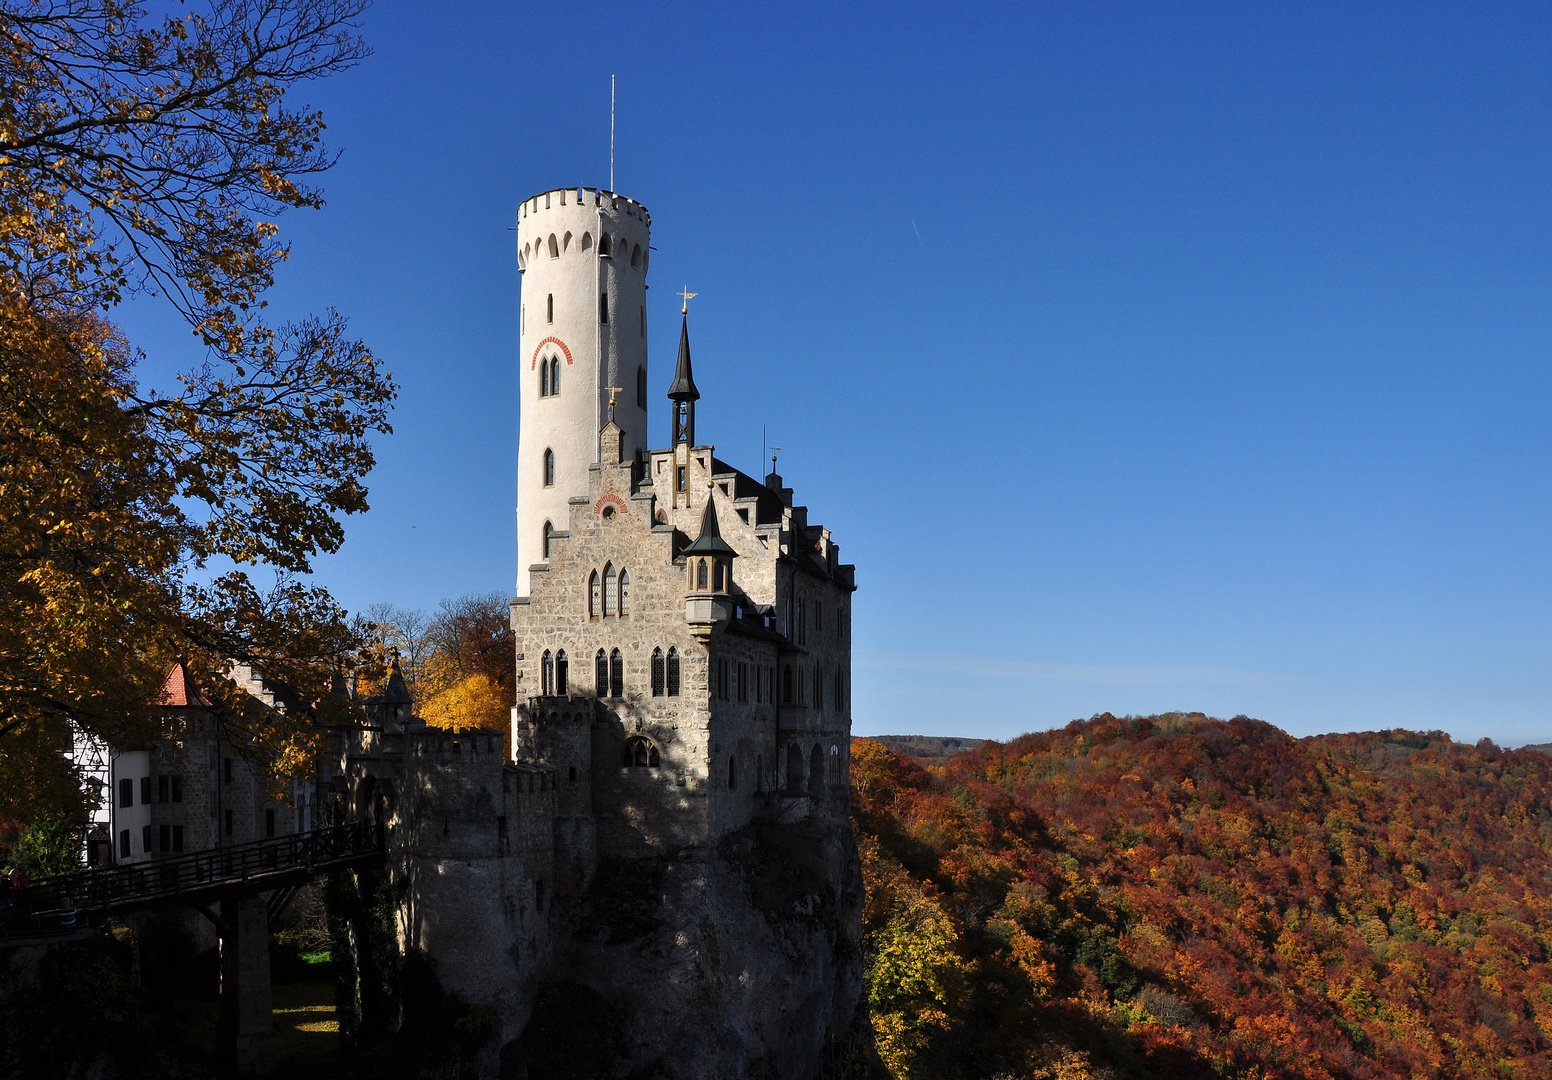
[
  {"x": 396, "y": 692},
  {"x": 683, "y": 388},
  {"x": 710, "y": 541}
]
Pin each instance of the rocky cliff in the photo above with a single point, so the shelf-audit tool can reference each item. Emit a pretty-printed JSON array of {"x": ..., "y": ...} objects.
[{"x": 739, "y": 961}]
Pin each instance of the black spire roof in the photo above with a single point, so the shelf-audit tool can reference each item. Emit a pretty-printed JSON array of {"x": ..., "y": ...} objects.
[
  {"x": 683, "y": 388},
  {"x": 710, "y": 541}
]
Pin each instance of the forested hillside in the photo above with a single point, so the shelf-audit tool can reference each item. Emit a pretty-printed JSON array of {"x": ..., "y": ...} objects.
[{"x": 1179, "y": 896}]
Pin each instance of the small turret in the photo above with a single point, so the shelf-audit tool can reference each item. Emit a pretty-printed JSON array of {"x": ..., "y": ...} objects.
[{"x": 709, "y": 562}]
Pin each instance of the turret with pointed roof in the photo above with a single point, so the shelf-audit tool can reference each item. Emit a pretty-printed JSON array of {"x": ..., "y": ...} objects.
[{"x": 683, "y": 392}]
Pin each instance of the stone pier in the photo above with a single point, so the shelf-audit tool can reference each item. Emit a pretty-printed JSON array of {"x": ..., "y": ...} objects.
[{"x": 247, "y": 1028}]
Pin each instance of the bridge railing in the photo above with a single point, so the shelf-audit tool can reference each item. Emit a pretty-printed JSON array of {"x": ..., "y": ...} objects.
[{"x": 57, "y": 900}]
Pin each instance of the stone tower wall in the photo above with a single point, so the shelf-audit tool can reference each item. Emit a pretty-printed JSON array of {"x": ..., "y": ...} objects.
[
  {"x": 474, "y": 838},
  {"x": 593, "y": 353}
]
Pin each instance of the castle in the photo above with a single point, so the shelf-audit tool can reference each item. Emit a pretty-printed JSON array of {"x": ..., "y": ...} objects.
[{"x": 683, "y": 652}]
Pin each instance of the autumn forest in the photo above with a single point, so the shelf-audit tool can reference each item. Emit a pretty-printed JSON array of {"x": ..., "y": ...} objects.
[{"x": 1179, "y": 896}]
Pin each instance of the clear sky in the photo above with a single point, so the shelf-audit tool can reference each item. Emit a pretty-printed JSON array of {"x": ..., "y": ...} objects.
[{"x": 1142, "y": 357}]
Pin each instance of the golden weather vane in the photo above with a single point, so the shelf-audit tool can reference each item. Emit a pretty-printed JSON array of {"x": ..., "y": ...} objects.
[{"x": 688, "y": 296}]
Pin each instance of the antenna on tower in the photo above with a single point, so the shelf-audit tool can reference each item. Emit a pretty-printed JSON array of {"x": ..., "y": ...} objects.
[{"x": 611, "y": 133}]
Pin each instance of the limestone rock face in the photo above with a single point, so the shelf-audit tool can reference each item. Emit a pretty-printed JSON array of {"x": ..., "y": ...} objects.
[{"x": 738, "y": 961}]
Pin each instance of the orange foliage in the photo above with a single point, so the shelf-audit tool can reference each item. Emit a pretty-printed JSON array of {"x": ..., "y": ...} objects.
[{"x": 1179, "y": 896}]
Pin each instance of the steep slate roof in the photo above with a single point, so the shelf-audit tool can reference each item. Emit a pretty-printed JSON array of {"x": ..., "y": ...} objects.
[
  {"x": 683, "y": 388},
  {"x": 710, "y": 541}
]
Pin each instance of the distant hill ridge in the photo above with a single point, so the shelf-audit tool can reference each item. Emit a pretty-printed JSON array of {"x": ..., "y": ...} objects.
[
  {"x": 1178, "y": 896},
  {"x": 930, "y": 747}
]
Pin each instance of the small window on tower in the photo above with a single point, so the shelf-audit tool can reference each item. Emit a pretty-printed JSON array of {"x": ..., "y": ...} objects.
[
  {"x": 643, "y": 320},
  {"x": 554, "y": 247},
  {"x": 636, "y": 257},
  {"x": 549, "y": 468},
  {"x": 603, "y": 307},
  {"x": 554, "y": 375},
  {"x": 673, "y": 672},
  {"x": 549, "y": 308},
  {"x": 657, "y": 672},
  {"x": 603, "y": 246},
  {"x": 549, "y": 531},
  {"x": 641, "y": 388},
  {"x": 544, "y": 378}
]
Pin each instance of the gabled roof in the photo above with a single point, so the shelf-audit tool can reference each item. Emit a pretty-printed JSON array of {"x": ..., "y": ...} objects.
[{"x": 178, "y": 690}]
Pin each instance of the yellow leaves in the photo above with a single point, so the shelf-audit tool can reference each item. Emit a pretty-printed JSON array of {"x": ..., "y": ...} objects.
[
  {"x": 472, "y": 702},
  {"x": 914, "y": 973}
]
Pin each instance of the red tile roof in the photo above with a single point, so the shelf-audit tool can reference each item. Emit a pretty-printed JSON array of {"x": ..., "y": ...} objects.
[{"x": 178, "y": 690}]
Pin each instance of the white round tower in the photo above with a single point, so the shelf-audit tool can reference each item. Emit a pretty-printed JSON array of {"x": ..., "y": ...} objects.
[{"x": 583, "y": 256}]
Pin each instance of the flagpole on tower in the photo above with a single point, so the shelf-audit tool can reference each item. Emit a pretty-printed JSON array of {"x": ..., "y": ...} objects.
[{"x": 611, "y": 133}]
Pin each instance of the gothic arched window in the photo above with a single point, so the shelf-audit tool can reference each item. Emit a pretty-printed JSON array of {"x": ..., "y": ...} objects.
[
  {"x": 657, "y": 672},
  {"x": 616, "y": 674},
  {"x": 603, "y": 246},
  {"x": 639, "y": 752},
  {"x": 636, "y": 257},
  {"x": 673, "y": 672},
  {"x": 593, "y": 595},
  {"x": 549, "y": 531},
  {"x": 587, "y": 241},
  {"x": 544, "y": 378},
  {"x": 560, "y": 672},
  {"x": 786, "y": 685},
  {"x": 700, "y": 575},
  {"x": 716, "y": 575},
  {"x": 624, "y": 606},
  {"x": 549, "y": 468},
  {"x": 601, "y": 673},
  {"x": 554, "y": 247},
  {"x": 547, "y": 673},
  {"x": 610, "y": 584},
  {"x": 554, "y": 375}
]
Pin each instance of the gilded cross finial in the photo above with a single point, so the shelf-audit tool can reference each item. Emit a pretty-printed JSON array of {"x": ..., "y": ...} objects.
[
  {"x": 688, "y": 296},
  {"x": 612, "y": 391}
]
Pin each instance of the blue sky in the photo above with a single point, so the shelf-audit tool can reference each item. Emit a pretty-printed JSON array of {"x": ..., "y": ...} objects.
[{"x": 1141, "y": 357}]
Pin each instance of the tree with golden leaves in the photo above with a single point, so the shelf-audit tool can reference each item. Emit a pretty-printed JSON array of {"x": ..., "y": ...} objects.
[{"x": 151, "y": 156}]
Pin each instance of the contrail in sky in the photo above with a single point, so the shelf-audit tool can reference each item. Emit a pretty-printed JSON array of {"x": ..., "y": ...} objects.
[{"x": 918, "y": 234}]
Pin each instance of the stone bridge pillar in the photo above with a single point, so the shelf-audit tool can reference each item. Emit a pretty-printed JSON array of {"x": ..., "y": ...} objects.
[{"x": 247, "y": 1027}]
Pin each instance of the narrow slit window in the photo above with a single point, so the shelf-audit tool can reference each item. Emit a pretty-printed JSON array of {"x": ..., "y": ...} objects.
[
  {"x": 601, "y": 673},
  {"x": 549, "y": 532},
  {"x": 673, "y": 672},
  {"x": 560, "y": 672},
  {"x": 593, "y": 595},
  {"x": 624, "y": 605},
  {"x": 616, "y": 674},
  {"x": 549, "y": 308},
  {"x": 547, "y": 673},
  {"x": 549, "y": 468},
  {"x": 554, "y": 375},
  {"x": 657, "y": 672}
]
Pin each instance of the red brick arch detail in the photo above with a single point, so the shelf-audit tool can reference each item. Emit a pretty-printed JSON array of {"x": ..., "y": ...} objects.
[
  {"x": 534, "y": 363},
  {"x": 609, "y": 500}
]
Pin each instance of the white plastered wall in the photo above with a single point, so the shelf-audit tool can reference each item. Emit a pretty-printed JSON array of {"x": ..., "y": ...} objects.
[{"x": 593, "y": 354}]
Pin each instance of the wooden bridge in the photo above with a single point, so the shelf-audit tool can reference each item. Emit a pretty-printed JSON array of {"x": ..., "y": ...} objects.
[{"x": 240, "y": 889}]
